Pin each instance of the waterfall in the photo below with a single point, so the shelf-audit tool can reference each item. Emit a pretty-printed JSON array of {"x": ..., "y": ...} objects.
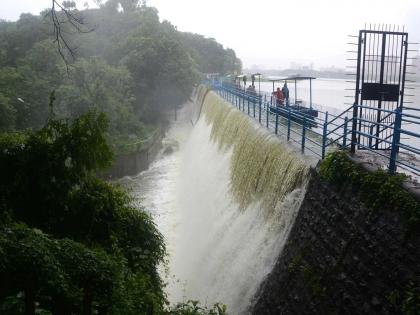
[
  {"x": 225, "y": 202},
  {"x": 262, "y": 168},
  {"x": 238, "y": 193}
]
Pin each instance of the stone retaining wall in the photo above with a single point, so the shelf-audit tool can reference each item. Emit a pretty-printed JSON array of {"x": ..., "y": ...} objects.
[
  {"x": 342, "y": 258},
  {"x": 130, "y": 164}
]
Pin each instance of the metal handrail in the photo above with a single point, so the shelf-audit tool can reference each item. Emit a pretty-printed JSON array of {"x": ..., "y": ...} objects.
[
  {"x": 323, "y": 133},
  {"x": 344, "y": 112}
]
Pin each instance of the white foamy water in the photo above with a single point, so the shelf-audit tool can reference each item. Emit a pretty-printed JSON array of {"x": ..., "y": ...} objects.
[{"x": 218, "y": 252}]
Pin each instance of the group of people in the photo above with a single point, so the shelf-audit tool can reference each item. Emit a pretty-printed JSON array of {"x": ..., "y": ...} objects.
[
  {"x": 251, "y": 90},
  {"x": 282, "y": 95}
]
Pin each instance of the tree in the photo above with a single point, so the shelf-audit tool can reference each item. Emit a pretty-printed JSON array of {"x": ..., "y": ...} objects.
[
  {"x": 96, "y": 245},
  {"x": 210, "y": 56},
  {"x": 161, "y": 69},
  {"x": 7, "y": 114},
  {"x": 61, "y": 275},
  {"x": 93, "y": 84},
  {"x": 64, "y": 22}
]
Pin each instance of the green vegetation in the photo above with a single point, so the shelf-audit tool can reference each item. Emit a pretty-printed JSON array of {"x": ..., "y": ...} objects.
[
  {"x": 312, "y": 280},
  {"x": 194, "y": 308},
  {"x": 71, "y": 243},
  {"x": 379, "y": 190},
  {"x": 130, "y": 66},
  {"x": 407, "y": 300}
]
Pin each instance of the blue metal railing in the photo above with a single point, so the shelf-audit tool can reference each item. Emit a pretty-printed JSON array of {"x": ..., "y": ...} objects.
[{"x": 325, "y": 131}]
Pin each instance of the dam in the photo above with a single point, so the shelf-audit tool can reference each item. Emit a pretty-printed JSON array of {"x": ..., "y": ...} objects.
[
  {"x": 249, "y": 223},
  {"x": 147, "y": 169},
  {"x": 273, "y": 207},
  {"x": 224, "y": 225}
]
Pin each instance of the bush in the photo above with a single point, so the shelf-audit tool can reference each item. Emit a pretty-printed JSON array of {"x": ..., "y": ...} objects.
[
  {"x": 379, "y": 190},
  {"x": 82, "y": 246}
]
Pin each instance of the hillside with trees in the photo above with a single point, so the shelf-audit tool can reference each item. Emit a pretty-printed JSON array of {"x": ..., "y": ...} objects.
[{"x": 120, "y": 60}]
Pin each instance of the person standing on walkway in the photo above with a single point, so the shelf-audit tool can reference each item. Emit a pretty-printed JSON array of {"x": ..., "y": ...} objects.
[
  {"x": 279, "y": 97},
  {"x": 285, "y": 91}
]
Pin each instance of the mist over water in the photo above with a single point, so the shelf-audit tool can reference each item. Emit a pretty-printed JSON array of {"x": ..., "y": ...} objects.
[{"x": 219, "y": 248}]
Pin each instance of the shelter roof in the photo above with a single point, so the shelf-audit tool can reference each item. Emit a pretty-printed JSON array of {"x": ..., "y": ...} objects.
[{"x": 291, "y": 78}]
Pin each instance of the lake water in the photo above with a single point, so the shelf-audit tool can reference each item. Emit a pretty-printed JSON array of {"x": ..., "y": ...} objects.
[{"x": 332, "y": 95}]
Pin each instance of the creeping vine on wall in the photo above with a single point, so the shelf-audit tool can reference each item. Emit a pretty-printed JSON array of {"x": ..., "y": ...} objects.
[{"x": 378, "y": 190}]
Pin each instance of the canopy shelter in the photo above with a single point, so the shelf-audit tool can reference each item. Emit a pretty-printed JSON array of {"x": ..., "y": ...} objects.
[
  {"x": 274, "y": 79},
  {"x": 241, "y": 77},
  {"x": 295, "y": 79},
  {"x": 259, "y": 81}
]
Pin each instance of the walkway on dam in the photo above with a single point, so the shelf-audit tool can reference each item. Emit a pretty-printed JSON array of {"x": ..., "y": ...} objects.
[{"x": 316, "y": 136}]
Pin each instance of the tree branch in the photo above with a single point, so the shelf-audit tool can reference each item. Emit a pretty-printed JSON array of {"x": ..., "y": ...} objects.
[{"x": 60, "y": 19}]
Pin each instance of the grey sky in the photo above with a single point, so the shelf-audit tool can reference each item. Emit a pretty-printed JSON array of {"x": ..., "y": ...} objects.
[{"x": 272, "y": 33}]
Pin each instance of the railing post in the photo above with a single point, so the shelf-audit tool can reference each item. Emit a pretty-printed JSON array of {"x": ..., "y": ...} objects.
[
  {"x": 247, "y": 97},
  {"x": 267, "y": 107},
  {"x": 238, "y": 104},
  {"x": 253, "y": 103},
  {"x": 370, "y": 135},
  {"x": 346, "y": 121},
  {"x": 395, "y": 142},
  {"x": 354, "y": 129},
  {"x": 259, "y": 112},
  {"x": 289, "y": 123},
  {"x": 277, "y": 120},
  {"x": 324, "y": 136},
  {"x": 238, "y": 99},
  {"x": 303, "y": 134}
]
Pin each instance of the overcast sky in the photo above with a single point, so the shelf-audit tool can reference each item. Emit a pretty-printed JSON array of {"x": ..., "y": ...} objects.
[{"x": 272, "y": 33}]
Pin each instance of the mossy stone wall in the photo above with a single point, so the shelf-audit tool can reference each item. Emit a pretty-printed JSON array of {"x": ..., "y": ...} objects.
[{"x": 347, "y": 254}]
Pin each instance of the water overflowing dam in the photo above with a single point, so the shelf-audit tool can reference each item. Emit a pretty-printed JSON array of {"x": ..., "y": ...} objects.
[
  {"x": 225, "y": 197},
  {"x": 248, "y": 224}
]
